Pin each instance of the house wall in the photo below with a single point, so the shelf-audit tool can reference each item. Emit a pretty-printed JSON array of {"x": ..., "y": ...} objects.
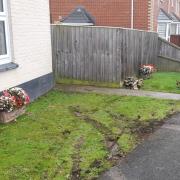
[
  {"x": 155, "y": 12},
  {"x": 141, "y": 14},
  {"x": 165, "y": 5},
  {"x": 117, "y": 12},
  {"x": 170, "y": 6},
  {"x": 31, "y": 45},
  {"x": 106, "y": 13}
]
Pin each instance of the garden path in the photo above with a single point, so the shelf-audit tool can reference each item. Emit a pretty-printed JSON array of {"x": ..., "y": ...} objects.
[{"x": 115, "y": 91}]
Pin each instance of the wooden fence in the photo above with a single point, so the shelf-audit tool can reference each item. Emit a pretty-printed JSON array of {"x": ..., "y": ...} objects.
[
  {"x": 101, "y": 53},
  {"x": 168, "y": 56},
  {"x": 167, "y": 64},
  {"x": 168, "y": 50}
]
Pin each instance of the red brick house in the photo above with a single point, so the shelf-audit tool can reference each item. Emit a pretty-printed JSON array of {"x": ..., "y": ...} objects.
[{"x": 137, "y": 14}]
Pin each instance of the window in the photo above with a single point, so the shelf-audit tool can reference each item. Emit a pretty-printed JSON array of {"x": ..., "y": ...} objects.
[
  {"x": 1, "y": 6},
  {"x": 173, "y": 29},
  {"x": 4, "y": 34}
]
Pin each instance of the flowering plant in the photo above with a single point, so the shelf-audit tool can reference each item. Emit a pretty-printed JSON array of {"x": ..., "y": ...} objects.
[
  {"x": 147, "y": 70},
  {"x": 13, "y": 98},
  {"x": 7, "y": 103}
]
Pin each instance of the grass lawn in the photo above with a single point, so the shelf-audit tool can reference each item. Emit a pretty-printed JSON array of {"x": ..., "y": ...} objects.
[
  {"x": 65, "y": 135},
  {"x": 87, "y": 83},
  {"x": 163, "y": 81}
]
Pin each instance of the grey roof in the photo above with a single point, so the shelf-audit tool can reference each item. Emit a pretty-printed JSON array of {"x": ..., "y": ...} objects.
[
  {"x": 175, "y": 17},
  {"x": 79, "y": 15},
  {"x": 163, "y": 15}
]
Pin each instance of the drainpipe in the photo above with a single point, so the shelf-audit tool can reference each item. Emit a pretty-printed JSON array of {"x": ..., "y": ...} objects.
[{"x": 132, "y": 14}]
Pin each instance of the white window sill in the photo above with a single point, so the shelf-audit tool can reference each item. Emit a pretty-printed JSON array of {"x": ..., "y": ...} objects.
[{"x": 8, "y": 66}]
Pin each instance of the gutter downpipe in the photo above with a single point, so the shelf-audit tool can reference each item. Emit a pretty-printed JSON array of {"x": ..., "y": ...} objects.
[{"x": 132, "y": 14}]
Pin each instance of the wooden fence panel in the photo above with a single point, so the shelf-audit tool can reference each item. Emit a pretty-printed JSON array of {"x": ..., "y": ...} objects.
[
  {"x": 101, "y": 53},
  {"x": 168, "y": 50}
]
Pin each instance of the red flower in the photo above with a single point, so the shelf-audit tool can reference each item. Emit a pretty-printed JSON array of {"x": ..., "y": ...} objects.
[
  {"x": 6, "y": 93},
  {"x": 150, "y": 66},
  {"x": 27, "y": 99}
]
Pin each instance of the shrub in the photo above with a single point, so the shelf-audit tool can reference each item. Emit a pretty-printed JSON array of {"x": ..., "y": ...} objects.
[
  {"x": 133, "y": 83},
  {"x": 147, "y": 70}
]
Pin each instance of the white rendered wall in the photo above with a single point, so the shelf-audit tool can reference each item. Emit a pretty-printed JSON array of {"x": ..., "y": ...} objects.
[{"x": 31, "y": 42}]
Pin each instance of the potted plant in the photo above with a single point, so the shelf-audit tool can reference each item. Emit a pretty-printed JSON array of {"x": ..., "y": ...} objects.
[{"x": 12, "y": 104}]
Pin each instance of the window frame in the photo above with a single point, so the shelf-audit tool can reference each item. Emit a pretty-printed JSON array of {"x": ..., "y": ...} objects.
[
  {"x": 176, "y": 25},
  {"x": 168, "y": 24},
  {"x": 4, "y": 59},
  {"x": 165, "y": 27}
]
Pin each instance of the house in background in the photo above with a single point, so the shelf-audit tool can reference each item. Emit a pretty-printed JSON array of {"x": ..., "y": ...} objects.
[
  {"x": 107, "y": 13},
  {"x": 169, "y": 18},
  {"x": 25, "y": 46},
  {"x": 137, "y": 14}
]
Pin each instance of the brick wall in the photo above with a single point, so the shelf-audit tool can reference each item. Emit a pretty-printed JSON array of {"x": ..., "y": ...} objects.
[
  {"x": 106, "y": 13},
  {"x": 31, "y": 48},
  {"x": 141, "y": 14},
  {"x": 155, "y": 14},
  {"x": 170, "y": 6},
  {"x": 116, "y": 12}
]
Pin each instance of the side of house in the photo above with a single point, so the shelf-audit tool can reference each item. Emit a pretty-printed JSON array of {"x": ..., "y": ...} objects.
[{"x": 25, "y": 46}]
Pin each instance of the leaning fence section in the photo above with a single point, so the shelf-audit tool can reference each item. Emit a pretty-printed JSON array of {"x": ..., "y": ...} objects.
[
  {"x": 168, "y": 50},
  {"x": 168, "y": 56}
]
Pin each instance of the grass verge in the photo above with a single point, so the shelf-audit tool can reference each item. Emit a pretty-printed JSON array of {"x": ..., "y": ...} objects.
[
  {"x": 68, "y": 135},
  {"x": 87, "y": 83},
  {"x": 163, "y": 81}
]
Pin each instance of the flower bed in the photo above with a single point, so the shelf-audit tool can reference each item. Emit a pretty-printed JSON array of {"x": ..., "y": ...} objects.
[{"x": 12, "y": 104}]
